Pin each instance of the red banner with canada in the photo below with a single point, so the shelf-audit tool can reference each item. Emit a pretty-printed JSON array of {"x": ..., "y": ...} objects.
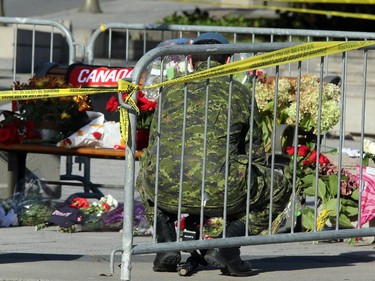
[{"x": 96, "y": 76}]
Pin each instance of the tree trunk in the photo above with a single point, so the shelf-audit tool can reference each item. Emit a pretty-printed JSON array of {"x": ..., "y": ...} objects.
[
  {"x": 2, "y": 8},
  {"x": 89, "y": 6},
  {"x": 2, "y": 14}
]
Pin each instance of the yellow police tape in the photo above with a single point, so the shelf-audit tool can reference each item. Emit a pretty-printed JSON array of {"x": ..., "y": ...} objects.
[
  {"x": 287, "y": 55},
  {"x": 51, "y": 93},
  {"x": 318, "y": 12},
  {"x": 327, "y": 1},
  {"x": 282, "y": 56}
]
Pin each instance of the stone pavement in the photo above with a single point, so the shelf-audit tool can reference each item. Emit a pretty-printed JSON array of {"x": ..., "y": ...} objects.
[{"x": 46, "y": 254}]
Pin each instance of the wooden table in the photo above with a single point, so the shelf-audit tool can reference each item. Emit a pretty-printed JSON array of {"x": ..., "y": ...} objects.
[{"x": 17, "y": 154}]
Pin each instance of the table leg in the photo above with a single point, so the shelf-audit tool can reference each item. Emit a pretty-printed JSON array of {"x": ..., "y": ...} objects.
[{"x": 16, "y": 171}]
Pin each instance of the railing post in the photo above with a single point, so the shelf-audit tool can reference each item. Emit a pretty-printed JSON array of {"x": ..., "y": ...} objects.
[
  {"x": 90, "y": 6},
  {"x": 2, "y": 14}
]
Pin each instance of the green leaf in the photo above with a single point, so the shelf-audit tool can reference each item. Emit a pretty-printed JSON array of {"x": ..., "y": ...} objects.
[
  {"x": 344, "y": 221},
  {"x": 349, "y": 202},
  {"x": 350, "y": 211},
  {"x": 331, "y": 205},
  {"x": 308, "y": 218},
  {"x": 332, "y": 185},
  {"x": 322, "y": 189},
  {"x": 355, "y": 195},
  {"x": 308, "y": 180},
  {"x": 309, "y": 191},
  {"x": 365, "y": 160}
]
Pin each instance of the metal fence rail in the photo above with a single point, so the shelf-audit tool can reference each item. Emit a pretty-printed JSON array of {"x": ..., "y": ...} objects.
[
  {"x": 343, "y": 62},
  {"x": 29, "y": 43},
  {"x": 125, "y": 43},
  {"x": 31, "y": 47}
]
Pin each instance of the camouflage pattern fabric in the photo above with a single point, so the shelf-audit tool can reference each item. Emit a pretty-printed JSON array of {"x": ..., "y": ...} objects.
[
  {"x": 172, "y": 106},
  {"x": 260, "y": 201}
]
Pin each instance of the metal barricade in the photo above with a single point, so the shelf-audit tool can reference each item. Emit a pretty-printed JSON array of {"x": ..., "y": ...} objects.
[
  {"x": 123, "y": 43},
  {"x": 32, "y": 47},
  {"x": 352, "y": 63},
  {"x": 28, "y": 43}
]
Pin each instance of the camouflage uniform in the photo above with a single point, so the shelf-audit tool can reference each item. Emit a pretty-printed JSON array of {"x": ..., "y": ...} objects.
[{"x": 172, "y": 104}]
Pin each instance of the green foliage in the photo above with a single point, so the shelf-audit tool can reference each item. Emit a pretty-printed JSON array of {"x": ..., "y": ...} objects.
[
  {"x": 200, "y": 17},
  {"x": 283, "y": 19},
  {"x": 323, "y": 22}
]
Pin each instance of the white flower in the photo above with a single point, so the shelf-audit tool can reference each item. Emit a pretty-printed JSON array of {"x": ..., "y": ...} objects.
[
  {"x": 111, "y": 201},
  {"x": 369, "y": 146}
]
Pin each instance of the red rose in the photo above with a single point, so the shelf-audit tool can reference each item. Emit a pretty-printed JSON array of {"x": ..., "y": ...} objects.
[
  {"x": 145, "y": 104},
  {"x": 306, "y": 163},
  {"x": 80, "y": 203},
  {"x": 290, "y": 150},
  {"x": 182, "y": 224},
  {"x": 106, "y": 206},
  {"x": 323, "y": 160},
  {"x": 312, "y": 157},
  {"x": 112, "y": 104},
  {"x": 30, "y": 130},
  {"x": 5, "y": 135},
  {"x": 303, "y": 150}
]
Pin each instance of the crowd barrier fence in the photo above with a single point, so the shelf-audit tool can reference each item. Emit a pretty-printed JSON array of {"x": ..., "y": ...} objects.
[
  {"x": 289, "y": 234},
  {"x": 28, "y": 43},
  {"x": 134, "y": 44},
  {"x": 125, "y": 43}
]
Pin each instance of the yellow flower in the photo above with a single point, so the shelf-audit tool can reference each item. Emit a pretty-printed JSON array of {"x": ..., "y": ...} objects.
[{"x": 322, "y": 219}]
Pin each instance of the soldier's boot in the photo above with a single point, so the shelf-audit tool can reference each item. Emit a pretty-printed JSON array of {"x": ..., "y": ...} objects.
[
  {"x": 165, "y": 232},
  {"x": 228, "y": 259}
]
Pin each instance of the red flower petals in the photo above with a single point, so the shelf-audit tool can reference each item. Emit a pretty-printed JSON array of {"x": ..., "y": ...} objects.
[{"x": 112, "y": 104}]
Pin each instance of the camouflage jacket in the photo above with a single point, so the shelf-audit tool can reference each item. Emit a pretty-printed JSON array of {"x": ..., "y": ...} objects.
[{"x": 190, "y": 175}]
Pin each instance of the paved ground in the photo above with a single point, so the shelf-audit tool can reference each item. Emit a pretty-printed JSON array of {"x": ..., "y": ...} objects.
[
  {"x": 49, "y": 255},
  {"x": 30, "y": 255}
]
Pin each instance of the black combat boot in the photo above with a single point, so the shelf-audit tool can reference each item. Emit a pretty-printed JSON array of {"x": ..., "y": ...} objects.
[
  {"x": 165, "y": 232},
  {"x": 228, "y": 259}
]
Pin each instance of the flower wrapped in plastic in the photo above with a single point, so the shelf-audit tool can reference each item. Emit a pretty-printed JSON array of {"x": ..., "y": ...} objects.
[
  {"x": 287, "y": 104},
  {"x": 105, "y": 214}
]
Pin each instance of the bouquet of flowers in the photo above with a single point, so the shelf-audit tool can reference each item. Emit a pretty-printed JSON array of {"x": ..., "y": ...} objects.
[
  {"x": 212, "y": 227},
  {"x": 287, "y": 104},
  {"x": 105, "y": 214},
  {"x": 27, "y": 208},
  {"x": 146, "y": 111},
  {"x": 15, "y": 129},
  {"x": 63, "y": 114},
  {"x": 327, "y": 182}
]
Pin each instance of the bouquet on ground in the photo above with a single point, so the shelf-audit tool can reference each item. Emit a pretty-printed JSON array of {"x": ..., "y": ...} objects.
[
  {"x": 327, "y": 184},
  {"x": 212, "y": 227},
  {"x": 105, "y": 214}
]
